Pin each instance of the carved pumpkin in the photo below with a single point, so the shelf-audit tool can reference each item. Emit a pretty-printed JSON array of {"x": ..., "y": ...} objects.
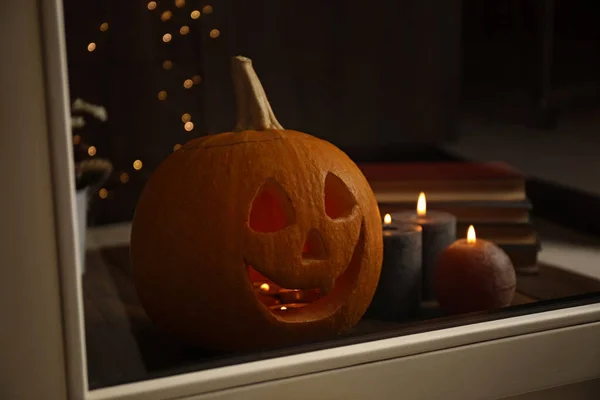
[{"x": 258, "y": 237}]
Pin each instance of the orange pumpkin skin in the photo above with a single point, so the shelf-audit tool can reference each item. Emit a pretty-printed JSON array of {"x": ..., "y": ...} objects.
[{"x": 192, "y": 241}]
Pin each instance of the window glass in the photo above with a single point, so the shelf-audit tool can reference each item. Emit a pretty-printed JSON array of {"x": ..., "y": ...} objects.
[{"x": 216, "y": 232}]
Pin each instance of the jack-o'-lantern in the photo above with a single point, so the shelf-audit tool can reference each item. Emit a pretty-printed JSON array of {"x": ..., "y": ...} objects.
[{"x": 258, "y": 237}]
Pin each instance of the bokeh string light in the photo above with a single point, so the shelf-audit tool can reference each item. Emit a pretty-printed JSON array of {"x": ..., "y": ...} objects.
[
  {"x": 168, "y": 63},
  {"x": 77, "y": 139},
  {"x": 167, "y": 16},
  {"x": 137, "y": 165}
]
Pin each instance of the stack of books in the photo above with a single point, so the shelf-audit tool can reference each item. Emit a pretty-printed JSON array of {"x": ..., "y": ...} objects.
[{"x": 489, "y": 195}]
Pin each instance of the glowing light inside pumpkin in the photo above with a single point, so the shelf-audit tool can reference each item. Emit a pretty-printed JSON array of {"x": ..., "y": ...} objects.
[
  {"x": 265, "y": 287},
  {"x": 422, "y": 205},
  {"x": 272, "y": 209},
  {"x": 283, "y": 308},
  {"x": 471, "y": 237},
  {"x": 339, "y": 201},
  {"x": 387, "y": 219},
  {"x": 314, "y": 247}
]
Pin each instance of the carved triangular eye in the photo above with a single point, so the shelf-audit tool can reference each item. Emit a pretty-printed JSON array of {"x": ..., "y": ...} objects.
[
  {"x": 339, "y": 202},
  {"x": 272, "y": 209}
]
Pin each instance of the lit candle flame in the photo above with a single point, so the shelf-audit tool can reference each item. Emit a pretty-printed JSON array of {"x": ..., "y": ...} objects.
[
  {"x": 265, "y": 287},
  {"x": 422, "y": 205},
  {"x": 283, "y": 308},
  {"x": 471, "y": 238},
  {"x": 387, "y": 219}
]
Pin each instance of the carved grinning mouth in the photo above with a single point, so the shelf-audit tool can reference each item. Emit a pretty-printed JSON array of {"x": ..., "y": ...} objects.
[{"x": 300, "y": 305}]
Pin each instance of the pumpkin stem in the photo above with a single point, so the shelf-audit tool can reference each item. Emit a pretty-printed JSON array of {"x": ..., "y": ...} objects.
[{"x": 253, "y": 109}]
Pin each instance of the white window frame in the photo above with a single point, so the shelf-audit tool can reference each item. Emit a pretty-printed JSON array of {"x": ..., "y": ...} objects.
[{"x": 486, "y": 360}]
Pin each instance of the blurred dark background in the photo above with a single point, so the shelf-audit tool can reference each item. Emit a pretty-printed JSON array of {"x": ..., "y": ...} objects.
[{"x": 380, "y": 79}]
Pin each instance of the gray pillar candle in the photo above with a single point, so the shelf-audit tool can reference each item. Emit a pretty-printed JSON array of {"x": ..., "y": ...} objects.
[
  {"x": 398, "y": 294},
  {"x": 439, "y": 232}
]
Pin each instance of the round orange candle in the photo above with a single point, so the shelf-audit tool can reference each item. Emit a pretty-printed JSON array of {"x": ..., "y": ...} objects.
[{"x": 474, "y": 275}]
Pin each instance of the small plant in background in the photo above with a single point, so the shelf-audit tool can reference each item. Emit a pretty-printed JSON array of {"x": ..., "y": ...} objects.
[{"x": 90, "y": 171}]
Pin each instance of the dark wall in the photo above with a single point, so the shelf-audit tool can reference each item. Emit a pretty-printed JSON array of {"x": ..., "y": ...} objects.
[
  {"x": 353, "y": 72},
  {"x": 360, "y": 74}
]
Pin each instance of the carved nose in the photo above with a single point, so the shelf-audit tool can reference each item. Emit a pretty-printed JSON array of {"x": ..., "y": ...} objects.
[{"x": 314, "y": 247}]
